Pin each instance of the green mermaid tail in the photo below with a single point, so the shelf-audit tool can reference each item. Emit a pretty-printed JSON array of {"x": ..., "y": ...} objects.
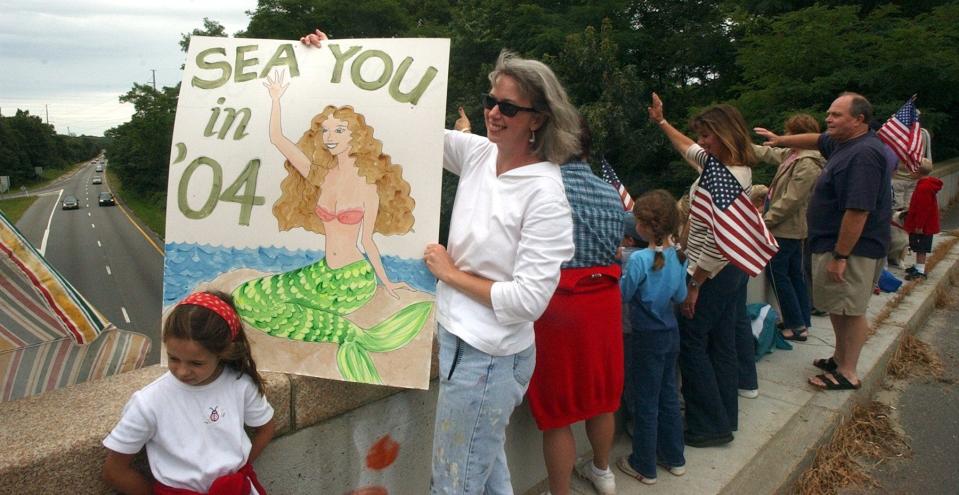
[{"x": 309, "y": 304}]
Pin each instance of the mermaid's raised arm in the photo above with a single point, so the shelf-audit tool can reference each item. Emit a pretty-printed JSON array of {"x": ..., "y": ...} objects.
[{"x": 288, "y": 148}]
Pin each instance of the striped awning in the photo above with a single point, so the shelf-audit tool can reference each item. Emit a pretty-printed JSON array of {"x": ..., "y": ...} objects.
[
  {"x": 36, "y": 300},
  {"x": 50, "y": 336}
]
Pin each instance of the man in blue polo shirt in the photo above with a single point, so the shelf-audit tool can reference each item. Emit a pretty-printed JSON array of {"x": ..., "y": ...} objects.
[{"x": 848, "y": 218}]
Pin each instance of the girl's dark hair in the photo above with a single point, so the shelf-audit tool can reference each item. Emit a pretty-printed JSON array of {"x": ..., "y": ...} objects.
[
  {"x": 657, "y": 210},
  {"x": 210, "y": 330}
]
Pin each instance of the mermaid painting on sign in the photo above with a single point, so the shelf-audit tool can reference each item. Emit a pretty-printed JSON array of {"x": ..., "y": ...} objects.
[{"x": 342, "y": 186}]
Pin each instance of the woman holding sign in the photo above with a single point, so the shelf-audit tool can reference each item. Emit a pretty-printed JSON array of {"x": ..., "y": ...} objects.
[
  {"x": 511, "y": 229},
  {"x": 341, "y": 185}
]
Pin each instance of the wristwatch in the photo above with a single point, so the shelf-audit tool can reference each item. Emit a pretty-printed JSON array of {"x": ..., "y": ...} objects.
[
  {"x": 837, "y": 256},
  {"x": 693, "y": 283}
]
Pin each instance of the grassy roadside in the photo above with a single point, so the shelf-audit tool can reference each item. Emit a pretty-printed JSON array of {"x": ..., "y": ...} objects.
[
  {"x": 48, "y": 175},
  {"x": 15, "y": 207},
  {"x": 146, "y": 211}
]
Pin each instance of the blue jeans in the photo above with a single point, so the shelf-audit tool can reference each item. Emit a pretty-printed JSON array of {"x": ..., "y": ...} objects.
[
  {"x": 478, "y": 393},
  {"x": 658, "y": 425},
  {"x": 707, "y": 356},
  {"x": 789, "y": 283},
  {"x": 745, "y": 344}
]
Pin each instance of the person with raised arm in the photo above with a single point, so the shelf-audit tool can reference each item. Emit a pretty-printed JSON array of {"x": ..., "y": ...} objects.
[
  {"x": 847, "y": 249},
  {"x": 716, "y": 289}
]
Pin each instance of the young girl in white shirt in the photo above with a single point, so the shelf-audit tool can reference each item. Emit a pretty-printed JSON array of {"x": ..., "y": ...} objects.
[{"x": 191, "y": 419}]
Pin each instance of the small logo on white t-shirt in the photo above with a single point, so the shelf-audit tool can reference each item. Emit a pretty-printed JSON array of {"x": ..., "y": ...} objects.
[{"x": 214, "y": 414}]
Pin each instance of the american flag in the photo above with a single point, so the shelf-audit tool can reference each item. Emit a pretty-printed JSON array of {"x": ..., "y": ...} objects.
[
  {"x": 609, "y": 175},
  {"x": 901, "y": 133},
  {"x": 741, "y": 235}
]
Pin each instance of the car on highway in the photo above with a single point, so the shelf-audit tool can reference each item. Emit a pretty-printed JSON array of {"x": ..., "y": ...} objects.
[
  {"x": 97, "y": 179},
  {"x": 99, "y": 168},
  {"x": 106, "y": 199},
  {"x": 70, "y": 203}
]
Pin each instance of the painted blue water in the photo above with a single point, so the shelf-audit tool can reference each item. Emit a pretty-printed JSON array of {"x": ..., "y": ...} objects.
[{"x": 187, "y": 265}]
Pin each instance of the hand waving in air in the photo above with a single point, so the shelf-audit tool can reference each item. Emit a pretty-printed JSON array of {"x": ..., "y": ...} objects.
[{"x": 655, "y": 109}]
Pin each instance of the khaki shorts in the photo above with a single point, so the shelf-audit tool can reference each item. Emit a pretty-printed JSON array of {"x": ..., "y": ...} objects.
[{"x": 850, "y": 298}]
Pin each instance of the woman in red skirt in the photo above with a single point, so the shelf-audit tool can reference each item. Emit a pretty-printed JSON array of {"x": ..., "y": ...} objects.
[{"x": 579, "y": 339}]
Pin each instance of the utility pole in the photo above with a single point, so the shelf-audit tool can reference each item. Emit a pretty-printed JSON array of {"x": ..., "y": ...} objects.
[
  {"x": 47, "y": 108},
  {"x": 154, "y": 71}
]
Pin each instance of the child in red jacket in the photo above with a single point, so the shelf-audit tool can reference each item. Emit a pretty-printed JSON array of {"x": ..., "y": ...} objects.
[{"x": 922, "y": 221}]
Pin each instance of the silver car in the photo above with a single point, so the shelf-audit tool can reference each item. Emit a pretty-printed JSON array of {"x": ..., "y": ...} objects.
[{"x": 70, "y": 203}]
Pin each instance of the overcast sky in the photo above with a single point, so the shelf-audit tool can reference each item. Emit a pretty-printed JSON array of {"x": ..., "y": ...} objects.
[{"x": 75, "y": 58}]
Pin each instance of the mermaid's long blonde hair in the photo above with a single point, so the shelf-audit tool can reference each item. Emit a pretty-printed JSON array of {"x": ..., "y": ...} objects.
[{"x": 295, "y": 207}]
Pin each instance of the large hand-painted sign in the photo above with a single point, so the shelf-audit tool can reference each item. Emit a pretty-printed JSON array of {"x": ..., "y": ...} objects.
[{"x": 305, "y": 182}]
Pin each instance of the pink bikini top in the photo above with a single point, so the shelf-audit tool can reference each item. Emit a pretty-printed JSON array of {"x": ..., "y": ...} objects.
[{"x": 350, "y": 216}]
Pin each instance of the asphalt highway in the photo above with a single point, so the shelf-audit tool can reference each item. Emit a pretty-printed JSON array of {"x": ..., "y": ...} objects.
[{"x": 114, "y": 263}]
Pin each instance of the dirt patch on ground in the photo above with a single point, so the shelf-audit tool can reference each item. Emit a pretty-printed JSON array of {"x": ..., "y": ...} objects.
[
  {"x": 867, "y": 437},
  {"x": 914, "y": 358}
]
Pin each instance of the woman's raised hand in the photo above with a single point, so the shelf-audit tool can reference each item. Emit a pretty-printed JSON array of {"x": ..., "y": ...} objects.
[
  {"x": 316, "y": 38},
  {"x": 275, "y": 84},
  {"x": 655, "y": 109}
]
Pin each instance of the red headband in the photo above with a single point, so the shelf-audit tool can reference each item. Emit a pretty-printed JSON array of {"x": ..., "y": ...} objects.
[{"x": 218, "y": 306}]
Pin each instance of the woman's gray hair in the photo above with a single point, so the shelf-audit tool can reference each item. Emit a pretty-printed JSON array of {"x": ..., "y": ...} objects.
[{"x": 557, "y": 140}]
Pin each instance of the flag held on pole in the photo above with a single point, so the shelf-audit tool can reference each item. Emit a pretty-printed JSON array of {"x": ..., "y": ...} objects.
[
  {"x": 609, "y": 175},
  {"x": 903, "y": 135}
]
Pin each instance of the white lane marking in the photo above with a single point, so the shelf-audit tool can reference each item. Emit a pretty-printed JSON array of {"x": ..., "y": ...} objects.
[
  {"x": 126, "y": 317},
  {"x": 89, "y": 214},
  {"x": 108, "y": 270},
  {"x": 98, "y": 244},
  {"x": 93, "y": 226},
  {"x": 46, "y": 233}
]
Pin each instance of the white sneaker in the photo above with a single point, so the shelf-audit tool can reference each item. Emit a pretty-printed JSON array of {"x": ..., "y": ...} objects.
[
  {"x": 623, "y": 465},
  {"x": 604, "y": 483},
  {"x": 749, "y": 393},
  {"x": 674, "y": 470}
]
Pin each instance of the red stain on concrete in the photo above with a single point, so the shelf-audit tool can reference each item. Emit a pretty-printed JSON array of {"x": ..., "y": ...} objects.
[{"x": 382, "y": 453}]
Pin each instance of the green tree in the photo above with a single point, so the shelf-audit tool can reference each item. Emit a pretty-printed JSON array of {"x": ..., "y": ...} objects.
[
  {"x": 801, "y": 60},
  {"x": 37, "y": 141},
  {"x": 210, "y": 28},
  {"x": 13, "y": 160},
  {"x": 290, "y": 19},
  {"x": 139, "y": 151},
  {"x": 26, "y": 142}
]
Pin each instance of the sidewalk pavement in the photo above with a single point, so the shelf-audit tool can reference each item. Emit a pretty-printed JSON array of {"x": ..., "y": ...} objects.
[{"x": 780, "y": 430}]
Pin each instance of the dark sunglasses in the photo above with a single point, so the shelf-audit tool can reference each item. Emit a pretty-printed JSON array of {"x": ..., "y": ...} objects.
[{"x": 506, "y": 108}]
